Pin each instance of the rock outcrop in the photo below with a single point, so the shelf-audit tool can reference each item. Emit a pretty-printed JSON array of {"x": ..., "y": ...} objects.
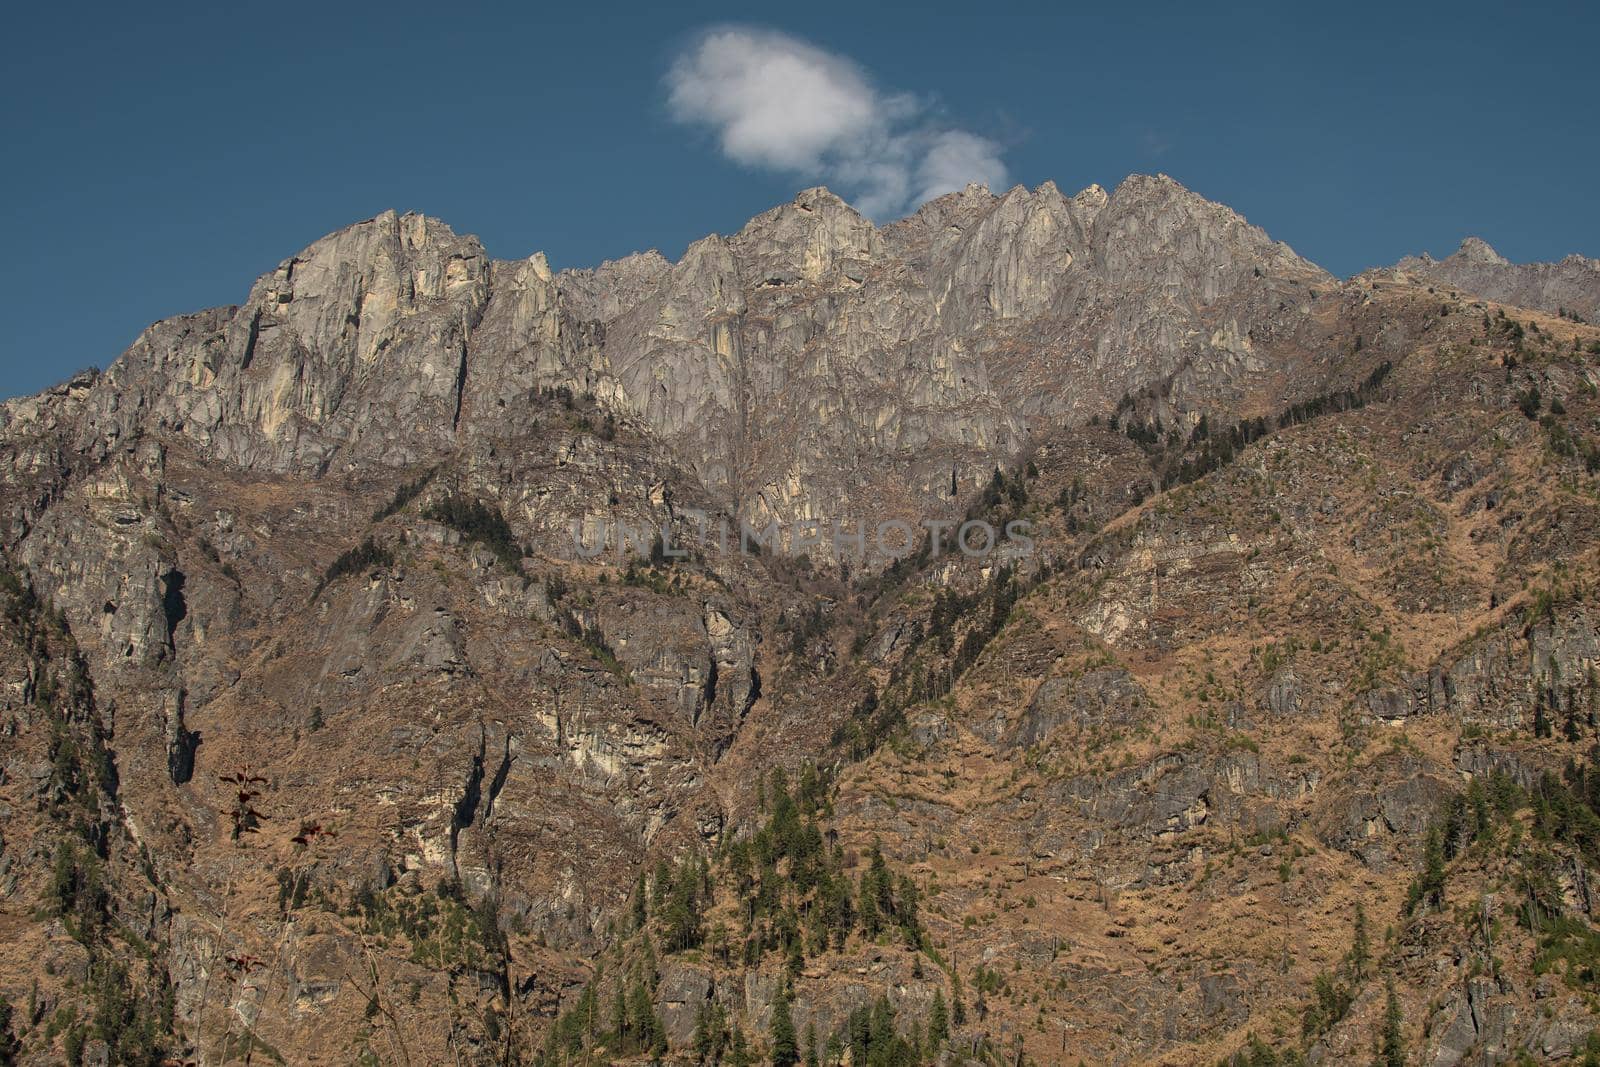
[{"x": 1571, "y": 285}]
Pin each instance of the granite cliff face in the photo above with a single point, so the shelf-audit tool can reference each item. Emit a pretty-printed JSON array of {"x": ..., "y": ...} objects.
[
  {"x": 323, "y": 740},
  {"x": 770, "y": 363}
]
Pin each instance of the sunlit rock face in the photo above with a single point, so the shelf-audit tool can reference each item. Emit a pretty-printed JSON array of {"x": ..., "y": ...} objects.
[{"x": 811, "y": 365}]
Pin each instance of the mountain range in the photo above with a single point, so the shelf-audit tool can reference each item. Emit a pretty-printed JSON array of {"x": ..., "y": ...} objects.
[{"x": 325, "y": 740}]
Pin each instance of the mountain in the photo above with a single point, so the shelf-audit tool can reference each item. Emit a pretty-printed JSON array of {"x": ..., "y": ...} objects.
[
  {"x": 337, "y": 726},
  {"x": 1567, "y": 288},
  {"x": 771, "y": 362}
]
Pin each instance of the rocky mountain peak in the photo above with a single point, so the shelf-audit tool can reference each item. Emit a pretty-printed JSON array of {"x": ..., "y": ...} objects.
[
  {"x": 817, "y": 198},
  {"x": 810, "y": 238},
  {"x": 911, "y": 236},
  {"x": 770, "y": 360},
  {"x": 1092, "y": 198},
  {"x": 353, "y": 285},
  {"x": 1569, "y": 287},
  {"x": 602, "y": 293},
  {"x": 1477, "y": 250},
  {"x": 1153, "y": 194}
]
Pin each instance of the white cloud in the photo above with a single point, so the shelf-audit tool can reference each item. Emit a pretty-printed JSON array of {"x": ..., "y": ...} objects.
[
  {"x": 953, "y": 159},
  {"x": 777, "y": 102}
]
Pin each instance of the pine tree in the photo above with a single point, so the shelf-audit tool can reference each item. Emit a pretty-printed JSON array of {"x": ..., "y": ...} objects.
[
  {"x": 738, "y": 1052},
  {"x": 841, "y": 913},
  {"x": 619, "y": 1018},
  {"x": 938, "y": 1021},
  {"x": 704, "y": 1039},
  {"x": 680, "y": 916},
  {"x": 784, "y": 1051},
  {"x": 640, "y": 913},
  {"x": 1360, "y": 950},
  {"x": 1433, "y": 873},
  {"x": 658, "y": 892},
  {"x": 907, "y": 910},
  {"x": 1392, "y": 1051},
  {"x": 642, "y": 1023},
  {"x": 658, "y": 1043},
  {"x": 1428, "y": 888},
  {"x": 871, "y": 919},
  {"x": 8, "y": 1041},
  {"x": 882, "y": 882},
  {"x": 589, "y": 1010}
]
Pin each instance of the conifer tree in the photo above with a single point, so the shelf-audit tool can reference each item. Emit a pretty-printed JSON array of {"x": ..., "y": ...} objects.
[
  {"x": 938, "y": 1021},
  {"x": 640, "y": 913},
  {"x": 1360, "y": 950},
  {"x": 1433, "y": 868},
  {"x": 738, "y": 1051},
  {"x": 704, "y": 1039},
  {"x": 784, "y": 1050},
  {"x": 871, "y": 919},
  {"x": 1392, "y": 1050}
]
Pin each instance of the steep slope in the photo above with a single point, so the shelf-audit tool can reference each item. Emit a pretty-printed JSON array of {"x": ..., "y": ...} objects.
[
  {"x": 1170, "y": 783},
  {"x": 405, "y": 773}
]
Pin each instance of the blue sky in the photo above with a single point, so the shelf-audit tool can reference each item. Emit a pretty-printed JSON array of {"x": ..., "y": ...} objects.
[{"x": 158, "y": 160}]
